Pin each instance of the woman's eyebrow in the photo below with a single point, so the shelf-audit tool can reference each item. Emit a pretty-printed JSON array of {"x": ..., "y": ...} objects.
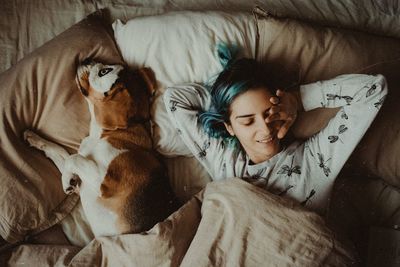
[{"x": 244, "y": 116}]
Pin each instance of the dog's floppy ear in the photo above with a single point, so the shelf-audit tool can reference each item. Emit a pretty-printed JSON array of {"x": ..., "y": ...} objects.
[
  {"x": 149, "y": 78},
  {"x": 83, "y": 84}
]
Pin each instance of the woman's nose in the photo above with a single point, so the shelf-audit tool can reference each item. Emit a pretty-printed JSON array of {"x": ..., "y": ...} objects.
[{"x": 264, "y": 127}]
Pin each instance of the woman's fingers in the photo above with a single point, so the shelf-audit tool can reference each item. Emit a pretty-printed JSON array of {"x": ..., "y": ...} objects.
[
  {"x": 273, "y": 117},
  {"x": 280, "y": 93},
  {"x": 284, "y": 129},
  {"x": 279, "y": 116},
  {"x": 282, "y": 110},
  {"x": 274, "y": 100},
  {"x": 274, "y": 109}
]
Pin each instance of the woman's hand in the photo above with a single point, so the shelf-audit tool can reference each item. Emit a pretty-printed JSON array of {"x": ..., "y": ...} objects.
[{"x": 285, "y": 108}]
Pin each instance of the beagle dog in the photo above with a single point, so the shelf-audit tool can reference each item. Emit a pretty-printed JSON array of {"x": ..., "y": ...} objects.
[{"x": 123, "y": 186}]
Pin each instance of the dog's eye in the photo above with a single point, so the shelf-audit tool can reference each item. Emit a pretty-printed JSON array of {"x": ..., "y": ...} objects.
[{"x": 104, "y": 71}]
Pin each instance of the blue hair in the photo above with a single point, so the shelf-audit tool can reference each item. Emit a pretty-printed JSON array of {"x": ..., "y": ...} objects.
[
  {"x": 213, "y": 120},
  {"x": 237, "y": 77},
  {"x": 226, "y": 53}
]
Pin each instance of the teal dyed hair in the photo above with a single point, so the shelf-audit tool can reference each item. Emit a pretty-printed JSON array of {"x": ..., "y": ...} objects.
[
  {"x": 237, "y": 77},
  {"x": 226, "y": 53}
]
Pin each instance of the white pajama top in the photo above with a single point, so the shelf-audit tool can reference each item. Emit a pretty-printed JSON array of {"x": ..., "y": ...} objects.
[{"x": 304, "y": 171}]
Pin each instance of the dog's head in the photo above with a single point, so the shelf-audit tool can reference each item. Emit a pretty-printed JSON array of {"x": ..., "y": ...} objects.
[{"x": 119, "y": 96}]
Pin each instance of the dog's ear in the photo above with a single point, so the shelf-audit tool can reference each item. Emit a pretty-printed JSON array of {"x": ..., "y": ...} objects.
[
  {"x": 83, "y": 84},
  {"x": 149, "y": 78}
]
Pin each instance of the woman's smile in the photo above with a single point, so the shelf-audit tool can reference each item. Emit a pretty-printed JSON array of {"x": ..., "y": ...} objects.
[{"x": 266, "y": 140}]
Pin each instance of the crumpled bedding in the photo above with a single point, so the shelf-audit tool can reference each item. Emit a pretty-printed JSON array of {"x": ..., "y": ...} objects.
[{"x": 230, "y": 223}]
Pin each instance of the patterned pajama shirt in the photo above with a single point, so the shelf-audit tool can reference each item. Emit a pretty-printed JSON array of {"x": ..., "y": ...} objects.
[{"x": 304, "y": 171}]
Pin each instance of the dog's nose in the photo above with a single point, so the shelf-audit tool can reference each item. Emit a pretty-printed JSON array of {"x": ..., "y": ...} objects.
[{"x": 87, "y": 61}]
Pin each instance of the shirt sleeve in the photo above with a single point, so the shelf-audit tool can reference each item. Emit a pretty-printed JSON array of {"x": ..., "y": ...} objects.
[
  {"x": 360, "y": 98},
  {"x": 183, "y": 104}
]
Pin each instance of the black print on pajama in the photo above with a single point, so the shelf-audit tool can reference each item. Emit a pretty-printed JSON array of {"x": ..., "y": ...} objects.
[
  {"x": 285, "y": 169},
  {"x": 334, "y": 138},
  {"x": 172, "y": 105},
  {"x": 312, "y": 193},
  {"x": 339, "y": 96},
  {"x": 371, "y": 91},
  {"x": 380, "y": 102},
  {"x": 309, "y": 149},
  {"x": 203, "y": 151},
  {"x": 322, "y": 164},
  {"x": 344, "y": 115},
  {"x": 347, "y": 98},
  {"x": 222, "y": 144}
]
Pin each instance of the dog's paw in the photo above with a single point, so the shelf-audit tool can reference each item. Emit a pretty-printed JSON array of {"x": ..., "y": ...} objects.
[
  {"x": 70, "y": 183},
  {"x": 34, "y": 140}
]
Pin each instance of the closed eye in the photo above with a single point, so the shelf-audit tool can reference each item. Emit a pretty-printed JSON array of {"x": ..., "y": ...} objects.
[
  {"x": 246, "y": 122},
  {"x": 104, "y": 71}
]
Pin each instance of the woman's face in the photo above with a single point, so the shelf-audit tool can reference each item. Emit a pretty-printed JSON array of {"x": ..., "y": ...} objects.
[{"x": 247, "y": 122}]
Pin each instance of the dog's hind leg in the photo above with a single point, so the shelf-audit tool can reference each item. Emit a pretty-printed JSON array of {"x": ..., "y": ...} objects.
[{"x": 53, "y": 151}]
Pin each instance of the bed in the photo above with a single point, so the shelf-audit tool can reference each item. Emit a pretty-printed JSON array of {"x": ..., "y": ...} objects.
[{"x": 41, "y": 45}]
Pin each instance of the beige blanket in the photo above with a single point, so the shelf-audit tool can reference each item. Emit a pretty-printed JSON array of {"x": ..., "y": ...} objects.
[{"x": 230, "y": 223}]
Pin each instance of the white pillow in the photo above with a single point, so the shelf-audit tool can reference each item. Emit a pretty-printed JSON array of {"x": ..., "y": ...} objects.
[
  {"x": 165, "y": 136},
  {"x": 180, "y": 47}
]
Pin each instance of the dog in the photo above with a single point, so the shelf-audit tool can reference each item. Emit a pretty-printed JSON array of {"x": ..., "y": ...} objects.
[{"x": 123, "y": 185}]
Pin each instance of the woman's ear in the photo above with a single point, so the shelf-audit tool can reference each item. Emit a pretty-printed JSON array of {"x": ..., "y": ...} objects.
[{"x": 229, "y": 128}]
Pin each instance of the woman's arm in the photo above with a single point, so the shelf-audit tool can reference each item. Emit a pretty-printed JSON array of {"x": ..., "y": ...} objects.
[
  {"x": 359, "y": 98},
  {"x": 311, "y": 122},
  {"x": 303, "y": 124},
  {"x": 353, "y": 102}
]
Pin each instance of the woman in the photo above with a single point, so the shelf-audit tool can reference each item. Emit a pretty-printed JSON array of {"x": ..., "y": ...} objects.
[{"x": 236, "y": 128}]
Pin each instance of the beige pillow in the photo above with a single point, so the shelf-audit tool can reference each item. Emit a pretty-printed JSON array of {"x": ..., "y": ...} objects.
[
  {"x": 40, "y": 93},
  {"x": 379, "y": 16},
  {"x": 318, "y": 53}
]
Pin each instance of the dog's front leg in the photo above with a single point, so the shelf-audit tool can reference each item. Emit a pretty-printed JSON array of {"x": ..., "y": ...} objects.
[
  {"x": 53, "y": 151},
  {"x": 86, "y": 169}
]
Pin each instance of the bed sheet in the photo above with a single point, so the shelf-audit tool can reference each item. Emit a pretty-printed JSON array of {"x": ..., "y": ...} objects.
[{"x": 230, "y": 223}]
